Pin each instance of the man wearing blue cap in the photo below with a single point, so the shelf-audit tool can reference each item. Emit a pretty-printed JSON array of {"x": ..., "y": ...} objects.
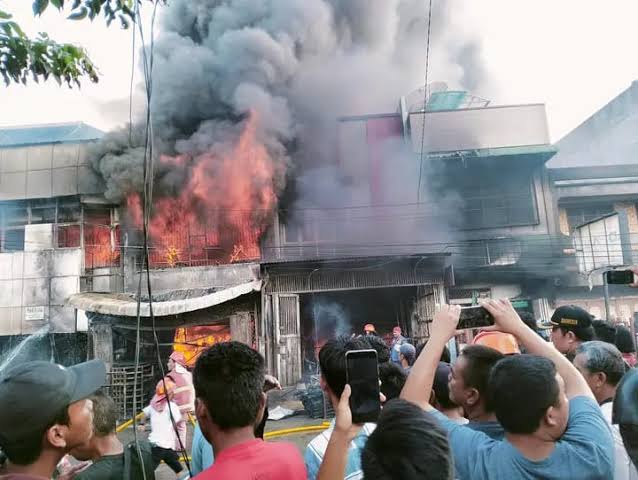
[{"x": 49, "y": 415}]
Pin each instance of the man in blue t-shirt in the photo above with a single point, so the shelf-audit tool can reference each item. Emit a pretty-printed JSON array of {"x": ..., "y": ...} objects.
[{"x": 553, "y": 426}]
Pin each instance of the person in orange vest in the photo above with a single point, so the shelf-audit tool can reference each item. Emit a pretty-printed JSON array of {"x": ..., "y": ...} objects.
[{"x": 184, "y": 393}]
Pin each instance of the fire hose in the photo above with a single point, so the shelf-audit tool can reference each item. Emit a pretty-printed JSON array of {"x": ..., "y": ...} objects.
[{"x": 272, "y": 434}]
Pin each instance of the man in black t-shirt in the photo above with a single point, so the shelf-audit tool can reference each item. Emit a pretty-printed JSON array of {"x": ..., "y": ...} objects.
[{"x": 111, "y": 459}]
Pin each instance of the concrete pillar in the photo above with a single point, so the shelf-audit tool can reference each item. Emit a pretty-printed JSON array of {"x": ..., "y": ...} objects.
[{"x": 102, "y": 342}]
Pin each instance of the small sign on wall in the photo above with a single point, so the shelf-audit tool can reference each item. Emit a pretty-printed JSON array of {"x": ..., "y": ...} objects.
[{"x": 33, "y": 313}]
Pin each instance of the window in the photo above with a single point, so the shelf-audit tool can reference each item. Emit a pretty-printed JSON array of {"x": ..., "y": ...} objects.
[
  {"x": 15, "y": 215},
  {"x": 579, "y": 214},
  {"x": 12, "y": 239},
  {"x": 492, "y": 201}
]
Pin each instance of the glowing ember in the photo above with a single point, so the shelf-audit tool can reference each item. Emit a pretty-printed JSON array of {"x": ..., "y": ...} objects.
[{"x": 221, "y": 211}]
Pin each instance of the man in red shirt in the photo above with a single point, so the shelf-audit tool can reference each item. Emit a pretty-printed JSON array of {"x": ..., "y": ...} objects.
[{"x": 229, "y": 380}]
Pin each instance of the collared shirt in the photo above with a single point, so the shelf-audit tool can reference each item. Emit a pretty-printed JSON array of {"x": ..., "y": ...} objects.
[{"x": 316, "y": 450}]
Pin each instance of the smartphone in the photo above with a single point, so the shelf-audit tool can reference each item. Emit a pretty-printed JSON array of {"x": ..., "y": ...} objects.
[
  {"x": 475, "y": 317},
  {"x": 619, "y": 277},
  {"x": 362, "y": 374}
]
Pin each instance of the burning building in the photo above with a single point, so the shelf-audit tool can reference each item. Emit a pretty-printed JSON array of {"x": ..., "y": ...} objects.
[{"x": 284, "y": 212}]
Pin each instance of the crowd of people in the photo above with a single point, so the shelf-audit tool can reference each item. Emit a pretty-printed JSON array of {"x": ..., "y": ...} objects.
[{"x": 512, "y": 405}]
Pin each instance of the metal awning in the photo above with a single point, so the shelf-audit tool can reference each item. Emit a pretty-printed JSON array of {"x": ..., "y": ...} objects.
[{"x": 118, "y": 304}]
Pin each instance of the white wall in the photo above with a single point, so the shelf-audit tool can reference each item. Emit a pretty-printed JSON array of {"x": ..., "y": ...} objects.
[{"x": 38, "y": 281}]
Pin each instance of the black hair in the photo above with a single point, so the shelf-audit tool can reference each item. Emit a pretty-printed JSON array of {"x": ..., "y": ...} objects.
[
  {"x": 332, "y": 360},
  {"x": 229, "y": 379},
  {"x": 624, "y": 340},
  {"x": 392, "y": 379},
  {"x": 445, "y": 356},
  {"x": 604, "y": 331},
  {"x": 480, "y": 361},
  {"x": 584, "y": 334},
  {"x": 441, "y": 387},
  {"x": 105, "y": 414},
  {"x": 26, "y": 451},
  {"x": 529, "y": 320},
  {"x": 521, "y": 389},
  {"x": 377, "y": 343},
  {"x": 408, "y": 444}
]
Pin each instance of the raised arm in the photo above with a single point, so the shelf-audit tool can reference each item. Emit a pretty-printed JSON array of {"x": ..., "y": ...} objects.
[
  {"x": 336, "y": 456},
  {"x": 507, "y": 320},
  {"x": 419, "y": 383}
]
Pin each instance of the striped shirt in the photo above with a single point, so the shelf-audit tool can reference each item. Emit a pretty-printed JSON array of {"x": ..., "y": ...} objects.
[{"x": 316, "y": 449}]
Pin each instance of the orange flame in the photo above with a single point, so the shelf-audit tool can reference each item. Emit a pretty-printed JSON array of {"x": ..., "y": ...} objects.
[
  {"x": 222, "y": 210},
  {"x": 192, "y": 341}
]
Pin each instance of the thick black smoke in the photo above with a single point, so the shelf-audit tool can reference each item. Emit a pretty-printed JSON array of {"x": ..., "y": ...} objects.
[{"x": 299, "y": 64}]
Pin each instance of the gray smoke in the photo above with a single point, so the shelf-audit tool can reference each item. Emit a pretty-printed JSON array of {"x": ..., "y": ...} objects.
[{"x": 298, "y": 64}]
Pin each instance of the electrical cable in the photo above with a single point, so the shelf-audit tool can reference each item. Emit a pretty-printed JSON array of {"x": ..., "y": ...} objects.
[
  {"x": 148, "y": 174},
  {"x": 136, "y": 18},
  {"x": 425, "y": 102}
]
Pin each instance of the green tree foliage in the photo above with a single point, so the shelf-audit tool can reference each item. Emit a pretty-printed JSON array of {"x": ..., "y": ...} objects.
[{"x": 22, "y": 57}]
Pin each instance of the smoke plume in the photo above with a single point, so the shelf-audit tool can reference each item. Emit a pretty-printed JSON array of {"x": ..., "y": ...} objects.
[{"x": 288, "y": 68}]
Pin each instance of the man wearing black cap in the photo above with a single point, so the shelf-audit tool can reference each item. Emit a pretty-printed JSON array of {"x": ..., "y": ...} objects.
[
  {"x": 571, "y": 326},
  {"x": 46, "y": 413}
]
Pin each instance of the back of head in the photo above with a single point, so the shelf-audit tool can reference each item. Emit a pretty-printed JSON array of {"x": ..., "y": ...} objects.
[
  {"x": 604, "y": 331},
  {"x": 529, "y": 320},
  {"x": 440, "y": 386},
  {"x": 445, "y": 356},
  {"x": 625, "y": 413},
  {"x": 407, "y": 444},
  {"x": 521, "y": 389},
  {"x": 392, "y": 379},
  {"x": 229, "y": 378},
  {"x": 376, "y": 343},
  {"x": 409, "y": 353},
  {"x": 479, "y": 363},
  {"x": 332, "y": 361},
  {"x": 105, "y": 414},
  {"x": 624, "y": 340},
  {"x": 602, "y": 357}
]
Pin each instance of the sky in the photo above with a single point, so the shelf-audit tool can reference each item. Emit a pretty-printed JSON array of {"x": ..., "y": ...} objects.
[{"x": 572, "y": 55}]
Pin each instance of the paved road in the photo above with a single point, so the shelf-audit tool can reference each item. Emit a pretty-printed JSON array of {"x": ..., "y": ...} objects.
[{"x": 299, "y": 439}]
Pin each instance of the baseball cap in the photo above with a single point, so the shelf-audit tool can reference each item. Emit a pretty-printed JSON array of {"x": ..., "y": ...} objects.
[
  {"x": 35, "y": 392},
  {"x": 571, "y": 317},
  {"x": 407, "y": 349}
]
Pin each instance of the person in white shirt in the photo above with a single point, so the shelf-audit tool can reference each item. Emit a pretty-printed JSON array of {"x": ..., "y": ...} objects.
[
  {"x": 603, "y": 366},
  {"x": 165, "y": 417}
]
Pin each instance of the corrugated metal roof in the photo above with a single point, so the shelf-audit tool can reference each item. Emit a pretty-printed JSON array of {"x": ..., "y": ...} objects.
[{"x": 46, "y": 134}]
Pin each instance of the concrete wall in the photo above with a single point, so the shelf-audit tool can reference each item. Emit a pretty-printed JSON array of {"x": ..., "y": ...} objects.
[
  {"x": 192, "y": 277},
  {"x": 45, "y": 171},
  {"x": 34, "y": 286}
]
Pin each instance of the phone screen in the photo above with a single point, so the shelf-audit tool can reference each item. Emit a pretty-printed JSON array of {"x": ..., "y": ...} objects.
[
  {"x": 362, "y": 371},
  {"x": 474, "y": 317},
  {"x": 620, "y": 277}
]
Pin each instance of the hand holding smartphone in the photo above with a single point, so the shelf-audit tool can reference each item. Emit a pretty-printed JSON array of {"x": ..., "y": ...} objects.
[
  {"x": 475, "y": 317},
  {"x": 362, "y": 374}
]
